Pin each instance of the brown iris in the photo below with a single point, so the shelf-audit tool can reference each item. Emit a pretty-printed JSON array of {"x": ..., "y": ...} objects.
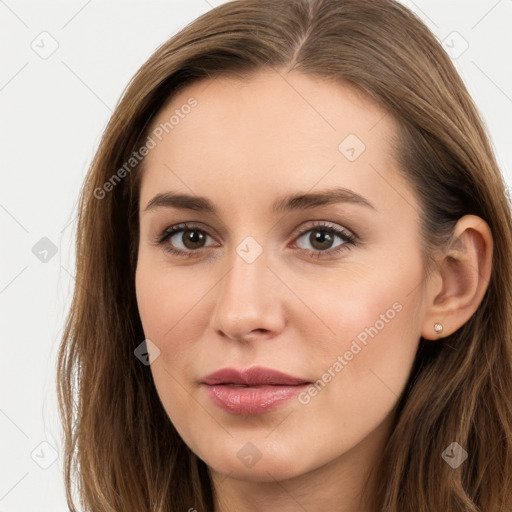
[
  {"x": 193, "y": 239},
  {"x": 321, "y": 240}
]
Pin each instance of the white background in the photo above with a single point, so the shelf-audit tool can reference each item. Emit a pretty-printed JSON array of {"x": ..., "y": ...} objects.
[{"x": 53, "y": 112}]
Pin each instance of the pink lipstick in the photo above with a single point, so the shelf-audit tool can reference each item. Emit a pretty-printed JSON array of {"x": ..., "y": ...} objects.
[{"x": 252, "y": 391}]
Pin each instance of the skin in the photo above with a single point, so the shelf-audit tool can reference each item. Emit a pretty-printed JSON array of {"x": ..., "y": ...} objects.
[{"x": 246, "y": 144}]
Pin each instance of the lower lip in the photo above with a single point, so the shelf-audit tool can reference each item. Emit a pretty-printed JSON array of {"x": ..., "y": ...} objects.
[{"x": 251, "y": 400}]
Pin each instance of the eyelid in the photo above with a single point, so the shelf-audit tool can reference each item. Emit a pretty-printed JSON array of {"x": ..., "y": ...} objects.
[
  {"x": 182, "y": 226},
  {"x": 349, "y": 240},
  {"x": 328, "y": 226}
]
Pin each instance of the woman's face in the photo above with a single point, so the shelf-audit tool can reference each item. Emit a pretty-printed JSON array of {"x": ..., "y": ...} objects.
[{"x": 300, "y": 255}]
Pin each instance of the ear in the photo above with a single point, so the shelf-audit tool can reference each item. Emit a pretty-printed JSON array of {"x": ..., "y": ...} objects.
[{"x": 457, "y": 286}]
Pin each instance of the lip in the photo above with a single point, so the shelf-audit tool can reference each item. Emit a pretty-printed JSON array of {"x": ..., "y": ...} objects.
[
  {"x": 253, "y": 376},
  {"x": 251, "y": 391}
]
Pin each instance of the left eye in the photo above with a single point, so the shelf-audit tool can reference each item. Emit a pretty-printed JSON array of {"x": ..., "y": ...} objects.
[{"x": 323, "y": 238}]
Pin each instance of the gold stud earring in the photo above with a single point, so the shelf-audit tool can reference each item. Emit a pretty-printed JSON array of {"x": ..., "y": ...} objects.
[{"x": 438, "y": 328}]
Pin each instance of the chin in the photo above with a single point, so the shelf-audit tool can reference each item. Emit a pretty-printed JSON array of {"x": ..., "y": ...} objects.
[{"x": 256, "y": 462}]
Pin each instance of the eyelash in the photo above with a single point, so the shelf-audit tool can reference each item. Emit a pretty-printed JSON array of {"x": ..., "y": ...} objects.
[{"x": 346, "y": 236}]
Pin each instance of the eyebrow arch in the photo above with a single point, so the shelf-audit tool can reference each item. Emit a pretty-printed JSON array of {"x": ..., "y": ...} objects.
[
  {"x": 304, "y": 201},
  {"x": 296, "y": 201}
]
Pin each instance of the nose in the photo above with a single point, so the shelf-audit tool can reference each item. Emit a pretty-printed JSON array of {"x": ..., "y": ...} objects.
[{"x": 248, "y": 302}]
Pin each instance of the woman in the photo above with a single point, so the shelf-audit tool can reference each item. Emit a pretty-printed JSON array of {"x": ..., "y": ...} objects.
[{"x": 294, "y": 276}]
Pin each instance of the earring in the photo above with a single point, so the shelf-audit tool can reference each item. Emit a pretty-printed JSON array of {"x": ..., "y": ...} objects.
[{"x": 438, "y": 328}]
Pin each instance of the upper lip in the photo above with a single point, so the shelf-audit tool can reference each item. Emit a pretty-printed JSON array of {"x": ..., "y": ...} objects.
[{"x": 254, "y": 376}]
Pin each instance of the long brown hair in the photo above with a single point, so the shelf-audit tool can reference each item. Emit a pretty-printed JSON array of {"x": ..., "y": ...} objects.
[{"x": 121, "y": 450}]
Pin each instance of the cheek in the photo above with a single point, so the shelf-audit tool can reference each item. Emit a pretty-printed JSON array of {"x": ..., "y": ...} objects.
[
  {"x": 363, "y": 368},
  {"x": 167, "y": 298},
  {"x": 173, "y": 310},
  {"x": 373, "y": 301},
  {"x": 166, "y": 308}
]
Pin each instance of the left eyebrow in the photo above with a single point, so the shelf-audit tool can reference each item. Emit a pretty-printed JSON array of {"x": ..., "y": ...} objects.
[
  {"x": 296, "y": 201},
  {"x": 323, "y": 197}
]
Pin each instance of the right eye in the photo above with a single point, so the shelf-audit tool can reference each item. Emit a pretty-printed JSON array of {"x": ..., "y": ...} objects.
[{"x": 183, "y": 239}]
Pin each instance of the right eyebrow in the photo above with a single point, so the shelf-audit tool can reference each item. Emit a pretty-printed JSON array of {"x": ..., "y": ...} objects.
[{"x": 182, "y": 201}]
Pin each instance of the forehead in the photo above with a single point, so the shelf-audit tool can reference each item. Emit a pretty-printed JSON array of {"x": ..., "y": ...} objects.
[
  {"x": 269, "y": 103},
  {"x": 272, "y": 131}
]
